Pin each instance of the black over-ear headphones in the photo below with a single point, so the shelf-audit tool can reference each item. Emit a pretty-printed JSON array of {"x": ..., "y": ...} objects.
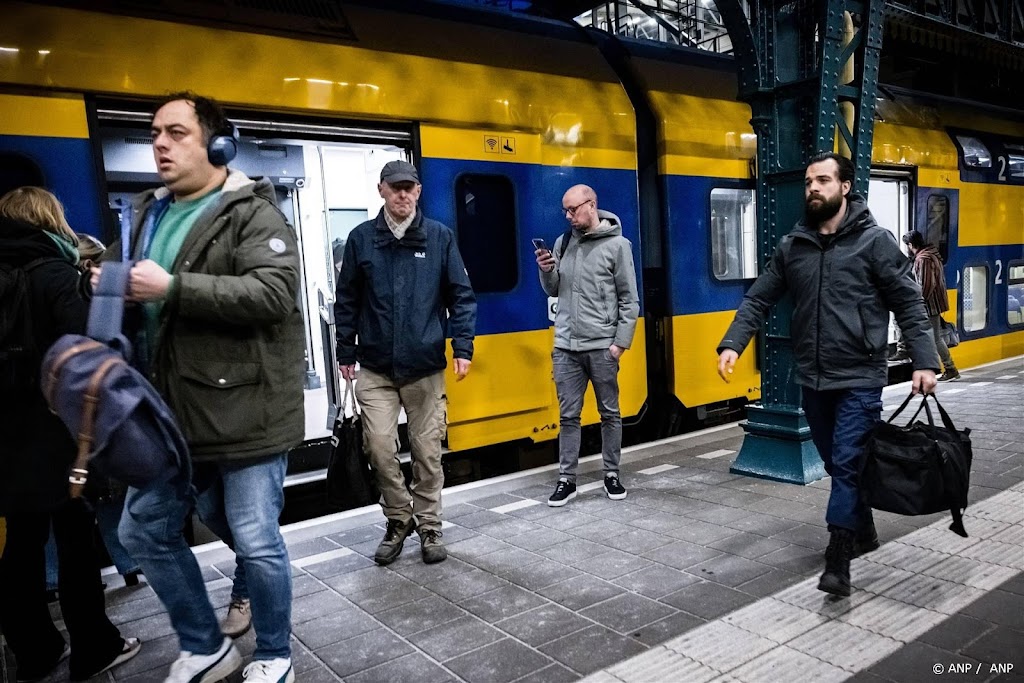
[{"x": 223, "y": 145}]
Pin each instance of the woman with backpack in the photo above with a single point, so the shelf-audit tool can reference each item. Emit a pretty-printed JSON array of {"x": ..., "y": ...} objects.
[{"x": 40, "y": 300}]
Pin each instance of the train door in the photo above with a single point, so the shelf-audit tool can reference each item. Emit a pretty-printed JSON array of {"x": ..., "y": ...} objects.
[
  {"x": 325, "y": 177},
  {"x": 889, "y": 201}
]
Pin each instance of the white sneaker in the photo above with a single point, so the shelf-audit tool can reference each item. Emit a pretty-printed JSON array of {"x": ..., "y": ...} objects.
[
  {"x": 269, "y": 671},
  {"x": 190, "y": 668}
]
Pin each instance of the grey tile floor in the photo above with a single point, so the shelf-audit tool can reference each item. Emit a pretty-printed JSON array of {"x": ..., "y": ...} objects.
[{"x": 532, "y": 593}]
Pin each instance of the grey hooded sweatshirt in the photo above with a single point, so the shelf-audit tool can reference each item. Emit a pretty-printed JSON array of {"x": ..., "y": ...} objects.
[{"x": 595, "y": 283}]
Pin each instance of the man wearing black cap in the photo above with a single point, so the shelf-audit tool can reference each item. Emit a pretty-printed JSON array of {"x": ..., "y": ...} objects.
[{"x": 402, "y": 289}]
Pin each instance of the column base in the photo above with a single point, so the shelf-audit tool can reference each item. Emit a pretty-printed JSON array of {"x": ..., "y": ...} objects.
[{"x": 778, "y": 446}]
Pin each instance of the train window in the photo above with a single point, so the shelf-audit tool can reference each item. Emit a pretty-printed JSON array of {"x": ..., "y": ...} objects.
[
  {"x": 486, "y": 228},
  {"x": 975, "y": 298},
  {"x": 976, "y": 154},
  {"x": 733, "y": 234},
  {"x": 1015, "y": 293},
  {"x": 937, "y": 229},
  {"x": 1014, "y": 161}
]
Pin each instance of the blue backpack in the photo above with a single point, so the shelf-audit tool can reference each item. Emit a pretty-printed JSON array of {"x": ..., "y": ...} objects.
[{"x": 123, "y": 426}]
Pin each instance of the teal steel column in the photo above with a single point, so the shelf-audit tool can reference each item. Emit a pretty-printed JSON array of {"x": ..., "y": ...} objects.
[{"x": 790, "y": 59}]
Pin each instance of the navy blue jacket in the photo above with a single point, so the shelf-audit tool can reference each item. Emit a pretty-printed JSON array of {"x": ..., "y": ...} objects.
[{"x": 402, "y": 298}]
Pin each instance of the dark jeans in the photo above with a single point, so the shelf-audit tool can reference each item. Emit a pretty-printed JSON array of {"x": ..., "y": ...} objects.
[
  {"x": 24, "y": 614},
  {"x": 840, "y": 421}
]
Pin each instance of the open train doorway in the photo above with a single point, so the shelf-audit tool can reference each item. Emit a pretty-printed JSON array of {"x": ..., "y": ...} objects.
[
  {"x": 890, "y": 203},
  {"x": 325, "y": 178}
]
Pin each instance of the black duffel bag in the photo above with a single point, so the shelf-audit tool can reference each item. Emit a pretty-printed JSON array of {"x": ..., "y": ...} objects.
[{"x": 918, "y": 469}]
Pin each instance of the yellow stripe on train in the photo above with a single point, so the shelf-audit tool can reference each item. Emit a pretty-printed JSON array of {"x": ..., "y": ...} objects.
[
  {"x": 695, "y": 362},
  {"x": 59, "y": 116},
  {"x": 560, "y": 145},
  {"x": 509, "y": 393},
  {"x": 101, "y": 53}
]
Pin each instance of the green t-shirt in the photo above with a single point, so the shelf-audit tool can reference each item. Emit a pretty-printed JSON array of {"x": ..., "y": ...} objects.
[{"x": 170, "y": 234}]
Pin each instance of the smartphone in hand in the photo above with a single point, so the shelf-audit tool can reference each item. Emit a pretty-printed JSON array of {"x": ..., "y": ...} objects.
[{"x": 539, "y": 243}]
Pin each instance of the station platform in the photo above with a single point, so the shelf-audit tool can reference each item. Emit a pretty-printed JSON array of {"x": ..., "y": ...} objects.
[{"x": 698, "y": 575}]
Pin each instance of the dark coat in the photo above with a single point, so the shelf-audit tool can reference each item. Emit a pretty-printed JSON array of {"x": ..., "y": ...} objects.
[
  {"x": 402, "y": 298},
  {"x": 842, "y": 293},
  {"x": 229, "y": 353},
  {"x": 37, "y": 449},
  {"x": 928, "y": 271}
]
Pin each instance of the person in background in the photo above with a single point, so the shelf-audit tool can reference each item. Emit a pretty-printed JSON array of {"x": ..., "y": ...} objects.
[
  {"x": 929, "y": 273},
  {"x": 402, "y": 289},
  {"x": 37, "y": 243},
  {"x": 845, "y": 273},
  {"x": 595, "y": 281}
]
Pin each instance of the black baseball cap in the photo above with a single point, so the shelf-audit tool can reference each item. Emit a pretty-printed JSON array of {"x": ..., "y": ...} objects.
[{"x": 399, "y": 172}]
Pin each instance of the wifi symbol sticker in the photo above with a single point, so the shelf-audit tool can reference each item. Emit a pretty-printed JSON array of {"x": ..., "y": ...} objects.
[{"x": 491, "y": 144}]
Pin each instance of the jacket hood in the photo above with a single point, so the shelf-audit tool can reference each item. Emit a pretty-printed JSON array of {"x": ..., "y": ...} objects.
[
  {"x": 236, "y": 182},
  {"x": 858, "y": 217},
  {"x": 21, "y": 243},
  {"x": 609, "y": 226}
]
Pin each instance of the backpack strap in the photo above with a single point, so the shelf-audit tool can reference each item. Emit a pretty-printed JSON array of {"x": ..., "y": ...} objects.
[
  {"x": 564, "y": 244},
  {"x": 106, "y": 312},
  {"x": 80, "y": 469}
]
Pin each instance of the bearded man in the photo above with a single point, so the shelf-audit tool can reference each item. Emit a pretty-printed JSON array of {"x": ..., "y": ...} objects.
[{"x": 845, "y": 273}]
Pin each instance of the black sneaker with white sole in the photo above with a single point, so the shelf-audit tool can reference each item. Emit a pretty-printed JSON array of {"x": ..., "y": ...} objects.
[
  {"x": 614, "y": 488},
  {"x": 565, "y": 491}
]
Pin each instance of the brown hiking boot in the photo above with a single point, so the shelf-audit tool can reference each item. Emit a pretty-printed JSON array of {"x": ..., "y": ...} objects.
[
  {"x": 431, "y": 546},
  {"x": 391, "y": 547}
]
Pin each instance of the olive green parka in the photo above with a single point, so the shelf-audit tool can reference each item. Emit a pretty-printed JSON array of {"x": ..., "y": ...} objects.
[{"x": 229, "y": 352}]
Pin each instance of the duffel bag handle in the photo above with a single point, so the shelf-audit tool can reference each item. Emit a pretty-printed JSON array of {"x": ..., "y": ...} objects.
[{"x": 946, "y": 421}]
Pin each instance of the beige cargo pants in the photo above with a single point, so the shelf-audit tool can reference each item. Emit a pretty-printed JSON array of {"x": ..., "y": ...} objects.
[{"x": 424, "y": 400}]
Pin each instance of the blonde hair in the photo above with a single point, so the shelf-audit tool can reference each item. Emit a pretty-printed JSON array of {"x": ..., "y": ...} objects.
[{"x": 39, "y": 208}]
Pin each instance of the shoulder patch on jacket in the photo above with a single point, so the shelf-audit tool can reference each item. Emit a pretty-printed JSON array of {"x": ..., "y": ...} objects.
[{"x": 277, "y": 245}]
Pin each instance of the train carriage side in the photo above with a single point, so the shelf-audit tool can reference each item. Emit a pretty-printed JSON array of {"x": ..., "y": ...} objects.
[
  {"x": 921, "y": 178},
  {"x": 705, "y": 148},
  {"x": 497, "y": 145},
  {"x": 968, "y": 206}
]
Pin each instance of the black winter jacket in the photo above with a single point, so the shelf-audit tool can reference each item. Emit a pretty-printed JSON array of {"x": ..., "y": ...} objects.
[
  {"x": 402, "y": 298},
  {"x": 842, "y": 293},
  {"x": 36, "y": 449}
]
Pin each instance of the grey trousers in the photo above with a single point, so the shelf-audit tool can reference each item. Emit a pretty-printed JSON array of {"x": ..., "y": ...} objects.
[
  {"x": 573, "y": 369},
  {"x": 940, "y": 345},
  {"x": 424, "y": 400}
]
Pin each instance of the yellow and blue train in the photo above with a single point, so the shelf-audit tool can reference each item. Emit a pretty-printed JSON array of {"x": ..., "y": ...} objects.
[{"x": 502, "y": 114}]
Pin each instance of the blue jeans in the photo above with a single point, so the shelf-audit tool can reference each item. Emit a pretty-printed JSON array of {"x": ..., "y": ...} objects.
[
  {"x": 573, "y": 369},
  {"x": 242, "y": 503},
  {"x": 108, "y": 518},
  {"x": 840, "y": 421},
  {"x": 240, "y": 500}
]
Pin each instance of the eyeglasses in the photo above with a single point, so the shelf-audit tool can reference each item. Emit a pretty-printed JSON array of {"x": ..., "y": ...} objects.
[{"x": 571, "y": 210}]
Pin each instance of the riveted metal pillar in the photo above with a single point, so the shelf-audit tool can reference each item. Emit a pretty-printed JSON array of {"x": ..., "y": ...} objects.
[{"x": 790, "y": 58}]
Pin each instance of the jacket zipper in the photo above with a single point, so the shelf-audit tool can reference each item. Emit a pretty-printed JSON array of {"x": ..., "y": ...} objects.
[{"x": 817, "y": 345}]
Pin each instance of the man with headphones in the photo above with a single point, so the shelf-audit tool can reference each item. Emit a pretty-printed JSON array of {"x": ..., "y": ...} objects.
[{"x": 217, "y": 277}]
